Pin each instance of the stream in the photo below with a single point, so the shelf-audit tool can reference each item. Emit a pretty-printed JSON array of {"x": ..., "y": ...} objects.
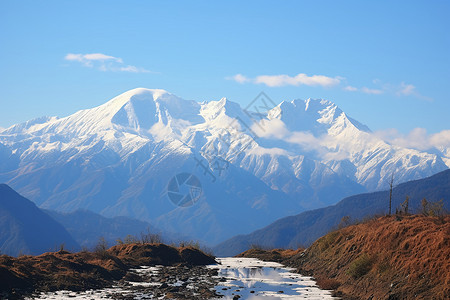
[
  {"x": 251, "y": 278},
  {"x": 237, "y": 278}
]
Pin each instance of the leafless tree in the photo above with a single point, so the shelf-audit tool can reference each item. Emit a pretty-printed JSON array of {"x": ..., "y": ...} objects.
[{"x": 391, "y": 187}]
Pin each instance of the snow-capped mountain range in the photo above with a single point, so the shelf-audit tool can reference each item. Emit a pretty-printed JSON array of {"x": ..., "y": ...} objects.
[{"x": 254, "y": 165}]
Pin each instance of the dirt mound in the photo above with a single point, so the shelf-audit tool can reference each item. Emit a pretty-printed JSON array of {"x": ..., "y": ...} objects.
[
  {"x": 276, "y": 255},
  {"x": 395, "y": 257},
  {"x": 88, "y": 270},
  {"x": 194, "y": 257},
  {"x": 160, "y": 254},
  {"x": 147, "y": 254}
]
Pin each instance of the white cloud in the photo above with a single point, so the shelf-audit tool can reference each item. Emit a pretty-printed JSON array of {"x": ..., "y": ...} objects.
[
  {"x": 276, "y": 129},
  {"x": 159, "y": 131},
  {"x": 410, "y": 90},
  {"x": 271, "y": 151},
  {"x": 399, "y": 90},
  {"x": 350, "y": 88},
  {"x": 371, "y": 91},
  {"x": 303, "y": 138},
  {"x": 103, "y": 62},
  {"x": 239, "y": 78},
  {"x": 284, "y": 80},
  {"x": 339, "y": 155},
  {"x": 88, "y": 59},
  {"x": 403, "y": 89},
  {"x": 441, "y": 138},
  {"x": 323, "y": 146},
  {"x": 300, "y": 79},
  {"x": 133, "y": 69},
  {"x": 406, "y": 89},
  {"x": 418, "y": 138}
]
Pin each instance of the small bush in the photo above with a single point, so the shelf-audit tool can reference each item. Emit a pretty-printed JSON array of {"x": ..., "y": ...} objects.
[
  {"x": 207, "y": 251},
  {"x": 345, "y": 221},
  {"x": 328, "y": 283},
  {"x": 130, "y": 239},
  {"x": 326, "y": 241},
  {"x": 150, "y": 238},
  {"x": 433, "y": 208},
  {"x": 436, "y": 209},
  {"x": 383, "y": 267},
  {"x": 193, "y": 244},
  {"x": 100, "y": 248},
  {"x": 404, "y": 207},
  {"x": 256, "y": 247},
  {"x": 360, "y": 266},
  {"x": 102, "y": 245}
]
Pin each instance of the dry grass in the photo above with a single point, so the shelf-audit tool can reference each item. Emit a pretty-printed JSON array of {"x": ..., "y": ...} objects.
[
  {"x": 328, "y": 283},
  {"x": 411, "y": 253},
  {"x": 276, "y": 255}
]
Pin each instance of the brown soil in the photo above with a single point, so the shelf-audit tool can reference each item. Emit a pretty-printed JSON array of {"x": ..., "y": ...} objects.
[
  {"x": 88, "y": 270},
  {"x": 276, "y": 255},
  {"x": 394, "y": 257}
]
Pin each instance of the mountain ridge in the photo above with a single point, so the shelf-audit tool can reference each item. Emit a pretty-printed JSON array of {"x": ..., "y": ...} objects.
[
  {"x": 26, "y": 229},
  {"x": 304, "y": 228},
  {"x": 116, "y": 159},
  {"x": 87, "y": 227}
]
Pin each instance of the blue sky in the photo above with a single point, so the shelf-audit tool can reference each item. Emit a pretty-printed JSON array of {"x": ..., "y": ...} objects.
[{"x": 385, "y": 63}]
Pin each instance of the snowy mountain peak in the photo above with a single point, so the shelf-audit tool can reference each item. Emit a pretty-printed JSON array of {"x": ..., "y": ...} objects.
[
  {"x": 309, "y": 106},
  {"x": 317, "y": 104},
  {"x": 313, "y": 115},
  {"x": 141, "y": 93},
  {"x": 224, "y": 108},
  {"x": 227, "y": 105},
  {"x": 28, "y": 125},
  {"x": 138, "y": 109},
  {"x": 133, "y": 109}
]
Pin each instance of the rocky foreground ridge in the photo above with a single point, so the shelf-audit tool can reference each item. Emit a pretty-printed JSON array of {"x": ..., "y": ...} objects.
[{"x": 101, "y": 268}]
